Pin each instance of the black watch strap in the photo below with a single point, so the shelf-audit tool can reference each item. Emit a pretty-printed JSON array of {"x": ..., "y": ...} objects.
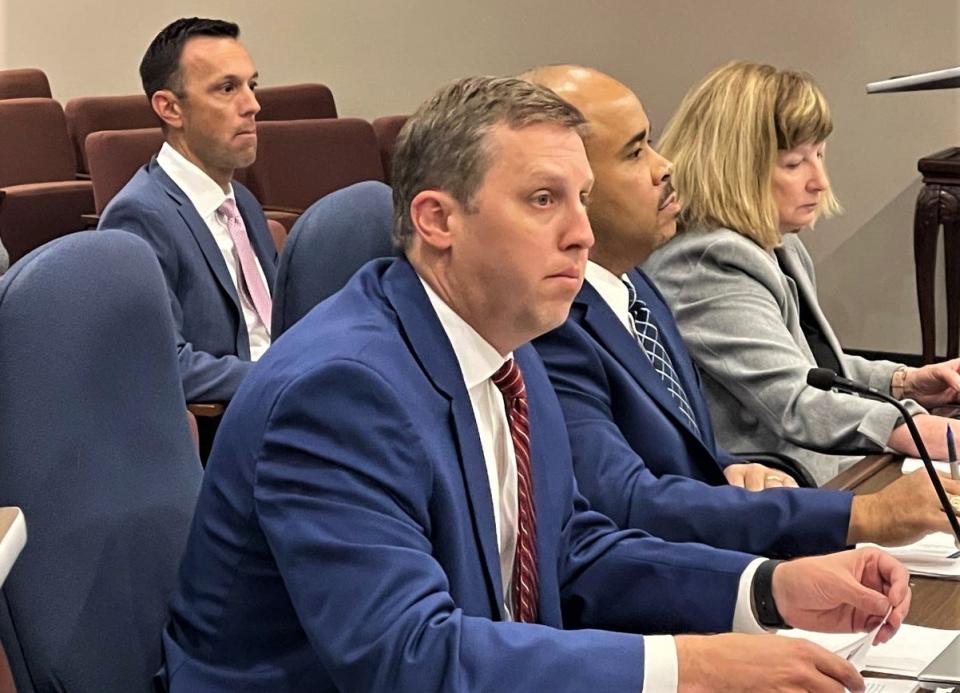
[{"x": 764, "y": 605}]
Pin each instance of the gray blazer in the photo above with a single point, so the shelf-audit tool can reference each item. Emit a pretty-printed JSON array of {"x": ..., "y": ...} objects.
[
  {"x": 740, "y": 317},
  {"x": 4, "y": 259}
]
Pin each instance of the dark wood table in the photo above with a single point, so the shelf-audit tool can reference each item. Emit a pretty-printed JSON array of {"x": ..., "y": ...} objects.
[{"x": 936, "y": 603}]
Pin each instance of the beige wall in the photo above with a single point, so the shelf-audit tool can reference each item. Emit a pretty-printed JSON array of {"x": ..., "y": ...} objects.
[{"x": 383, "y": 57}]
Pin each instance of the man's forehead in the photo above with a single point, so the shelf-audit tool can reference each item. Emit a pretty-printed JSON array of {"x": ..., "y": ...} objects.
[
  {"x": 215, "y": 54},
  {"x": 540, "y": 151}
]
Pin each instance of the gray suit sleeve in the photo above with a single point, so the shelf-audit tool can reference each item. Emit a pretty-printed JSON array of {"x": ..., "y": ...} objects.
[{"x": 731, "y": 303}]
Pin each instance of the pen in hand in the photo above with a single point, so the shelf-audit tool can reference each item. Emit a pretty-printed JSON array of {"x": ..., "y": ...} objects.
[
  {"x": 954, "y": 472},
  {"x": 952, "y": 455}
]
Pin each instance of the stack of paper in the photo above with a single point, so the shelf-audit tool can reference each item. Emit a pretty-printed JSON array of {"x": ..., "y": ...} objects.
[
  {"x": 907, "y": 654},
  {"x": 935, "y": 555}
]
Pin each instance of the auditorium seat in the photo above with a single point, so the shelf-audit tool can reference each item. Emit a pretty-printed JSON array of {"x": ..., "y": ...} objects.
[
  {"x": 114, "y": 156},
  {"x": 40, "y": 198},
  {"x": 300, "y": 161},
  {"x": 278, "y": 232},
  {"x": 97, "y": 452},
  {"x": 332, "y": 239},
  {"x": 89, "y": 114},
  {"x": 296, "y": 102},
  {"x": 387, "y": 129},
  {"x": 24, "y": 83}
]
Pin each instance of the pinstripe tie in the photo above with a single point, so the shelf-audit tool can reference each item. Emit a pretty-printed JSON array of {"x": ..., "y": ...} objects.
[
  {"x": 648, "y": 336},
  {"x": 509, "y": 381}
]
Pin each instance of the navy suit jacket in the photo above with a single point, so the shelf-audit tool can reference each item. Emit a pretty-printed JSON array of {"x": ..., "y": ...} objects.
[
  {"x": 212, "y": 341},
  {"x": 344, "y": 536},
  {"x": 639, "y": 460}
]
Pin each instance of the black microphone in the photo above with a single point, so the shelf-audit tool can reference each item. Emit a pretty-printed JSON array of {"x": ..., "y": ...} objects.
[{"x": 826, "y": 379}]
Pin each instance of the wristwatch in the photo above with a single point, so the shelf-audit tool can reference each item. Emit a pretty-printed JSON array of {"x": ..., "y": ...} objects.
[{"x": 764, "y": 606}]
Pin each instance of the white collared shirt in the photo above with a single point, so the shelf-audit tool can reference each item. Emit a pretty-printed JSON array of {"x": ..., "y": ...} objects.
[
  {"x": 206, "y": 195},
  {"x": 479, "y": 360}
]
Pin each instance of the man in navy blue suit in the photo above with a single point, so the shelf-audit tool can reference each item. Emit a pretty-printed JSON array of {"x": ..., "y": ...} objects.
[
  {"x": 643, "y": 445},
  {"x": 390, "y": 504},
  {"x": 208, "y": 231}
]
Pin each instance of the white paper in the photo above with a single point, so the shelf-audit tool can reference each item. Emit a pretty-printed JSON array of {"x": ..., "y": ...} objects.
[
  {"x": 935, "y": 555},
  {"x": 912, "y": 464},
  {"x": 889, "y": 685},
  {"x": 910, "y": 651},
  {"x": 907, "y": 653},
  {"x": 857, "y": 655}
]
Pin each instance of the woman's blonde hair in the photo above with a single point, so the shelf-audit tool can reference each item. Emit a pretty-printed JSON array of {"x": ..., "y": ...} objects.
[{"x": 723, "y": 142}]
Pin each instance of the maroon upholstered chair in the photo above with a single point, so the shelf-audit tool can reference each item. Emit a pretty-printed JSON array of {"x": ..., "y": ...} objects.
[
  {"x": 387, "y": 129},
  {"x": 24, "y": 83},
  {"x": 40, "y": 199},
  {"x": 94, "y": 113},
  {"x": 115, "y": 155},
  {"x": 300, "y": 161},
  {"x": 296, "y": 102}
]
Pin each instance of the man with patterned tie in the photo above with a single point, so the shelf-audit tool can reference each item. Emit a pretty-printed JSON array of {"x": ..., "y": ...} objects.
[
  {"x": 643, "y": 445},
  {"x": 208, "y": 231},
  {"x": 390, "y": 504}
]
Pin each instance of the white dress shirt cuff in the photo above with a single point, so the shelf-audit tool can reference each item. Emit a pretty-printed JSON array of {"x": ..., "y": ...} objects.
[
  {"x": 744, "y": 620},
  {"x": 660, "y": 663},
  {"x": 661, "y": 669}
]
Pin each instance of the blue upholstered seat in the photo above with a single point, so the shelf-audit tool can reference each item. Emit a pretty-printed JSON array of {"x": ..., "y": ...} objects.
[
  {"x": 95, "y": 448},
  {"x": 333, "y": 238}
]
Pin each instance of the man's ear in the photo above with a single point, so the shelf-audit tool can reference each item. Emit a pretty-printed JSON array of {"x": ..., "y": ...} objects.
[
  {"x": 167, "y": 106},
  {"x": 436, "y": 218}
]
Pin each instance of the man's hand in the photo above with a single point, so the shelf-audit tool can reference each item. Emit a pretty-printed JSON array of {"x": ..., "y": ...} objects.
[
  {"x": 756, "y": 477},
  {"x": 902, "y": 512},
  {"x": 734, "y": 662},
  {"x": 933, "y": 385},
  {"x": 843, "y": 592}
]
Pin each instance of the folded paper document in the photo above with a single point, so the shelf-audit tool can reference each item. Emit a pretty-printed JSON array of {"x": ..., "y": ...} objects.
[{"x": 908, "y": 653}]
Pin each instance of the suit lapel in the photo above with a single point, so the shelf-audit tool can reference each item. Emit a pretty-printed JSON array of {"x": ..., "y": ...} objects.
[
  {"x": 607, "y": 330},
  {"x": 201, "y": 233},
  {"x": 792, "y": 266},
  {"x": 429, "y": 343},
  {"x": 682, "y": 363}
]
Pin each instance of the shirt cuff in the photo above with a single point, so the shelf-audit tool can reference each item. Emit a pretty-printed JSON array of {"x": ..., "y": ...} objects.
[
  {"x": 744, "y": 620},
  {"x": 660, "y": 670}
]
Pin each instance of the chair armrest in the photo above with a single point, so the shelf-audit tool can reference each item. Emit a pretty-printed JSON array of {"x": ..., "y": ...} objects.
[{"x": 205, "y": 409}]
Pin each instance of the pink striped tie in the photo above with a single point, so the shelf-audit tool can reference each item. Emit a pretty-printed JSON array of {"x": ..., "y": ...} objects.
[
  {"x": 525, "y": 583},
  {"x": 250, "y": 275}
]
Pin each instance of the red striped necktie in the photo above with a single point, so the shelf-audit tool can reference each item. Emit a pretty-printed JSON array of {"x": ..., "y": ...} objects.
[{"x": 525, "y": 583}]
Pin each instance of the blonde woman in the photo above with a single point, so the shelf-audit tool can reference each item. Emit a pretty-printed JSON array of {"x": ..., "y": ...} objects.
[{"x": 748, "y": 146}]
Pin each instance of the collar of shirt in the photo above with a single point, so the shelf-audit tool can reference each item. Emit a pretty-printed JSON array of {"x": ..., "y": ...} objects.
[
  {"x": 478, "y": 359},
  {"x": 612, "y": 290},
  {"x": 204, "y": 193}
]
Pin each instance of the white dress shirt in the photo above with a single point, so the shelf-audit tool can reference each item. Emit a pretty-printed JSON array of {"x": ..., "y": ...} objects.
[{"x": 206, "y": 195}]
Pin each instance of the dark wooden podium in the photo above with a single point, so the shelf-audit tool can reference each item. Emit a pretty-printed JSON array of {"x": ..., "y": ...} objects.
[{"x": 938, "y": 205}]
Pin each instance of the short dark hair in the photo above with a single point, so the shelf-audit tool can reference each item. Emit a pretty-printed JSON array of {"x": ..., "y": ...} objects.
[
  {"x": 160, "y": 67},
  {"x": 443, "y": 146}
]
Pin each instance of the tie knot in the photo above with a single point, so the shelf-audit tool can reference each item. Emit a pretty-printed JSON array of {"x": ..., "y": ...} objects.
[
  {"x": 509, "y": 380},
  {"x": 228, "y": 209}
]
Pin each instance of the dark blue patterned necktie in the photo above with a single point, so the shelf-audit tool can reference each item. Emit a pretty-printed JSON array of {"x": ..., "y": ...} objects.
[{"x": 648, "y": 336}]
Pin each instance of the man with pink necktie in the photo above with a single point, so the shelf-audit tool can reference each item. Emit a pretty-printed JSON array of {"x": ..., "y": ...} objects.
[{"x": 208, "y": 231}]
